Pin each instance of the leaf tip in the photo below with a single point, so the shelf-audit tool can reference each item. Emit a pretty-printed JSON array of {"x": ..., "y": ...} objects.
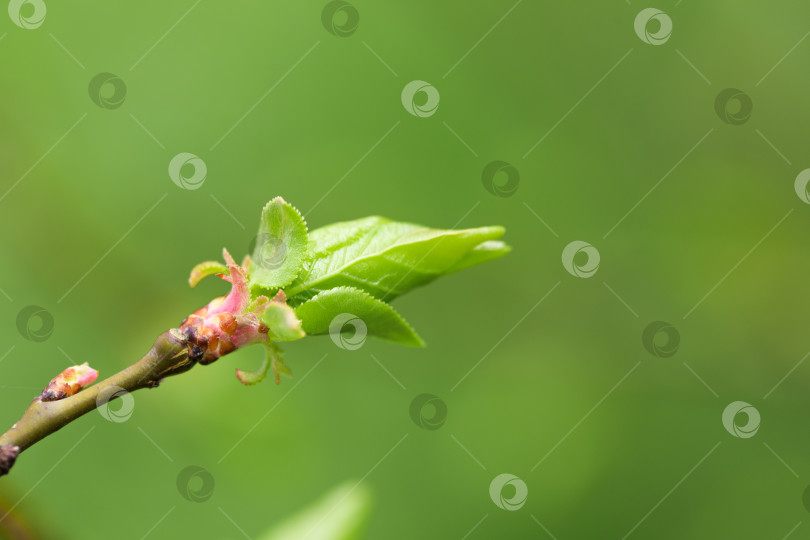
[
  {"x": 205, "y": 269},
  {"x": 247, "y": 378}
]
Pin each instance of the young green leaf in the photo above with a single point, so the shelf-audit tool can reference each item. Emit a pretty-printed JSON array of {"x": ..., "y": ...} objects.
[
  {"x": 205, "y": 269},
  {"x": 282, "y": 322},
  {"x": 387, "y": 258},
  {"x": 330, "y": 311},
  {"x": 272, "y": 360},
  {"x": 281, "y": 246}
]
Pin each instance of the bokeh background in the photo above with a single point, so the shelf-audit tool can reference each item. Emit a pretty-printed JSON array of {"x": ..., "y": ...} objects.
[{"x": 616, "y": 142}]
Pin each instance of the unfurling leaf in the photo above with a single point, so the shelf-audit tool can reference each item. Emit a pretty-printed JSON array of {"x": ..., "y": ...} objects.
[
  {"x": 281, "y": 246},
  {"x": 282, "y": 322},
  {"x": 387, "y": 258},
  {"x": 272, "y": 360},
  {"x": 336, "y": 280},
  {"x": 320, "y": 314},
  {"x": 205, "y": 269}
]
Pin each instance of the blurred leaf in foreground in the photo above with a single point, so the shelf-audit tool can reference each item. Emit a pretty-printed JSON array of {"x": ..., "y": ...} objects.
[{"x": 340, "y": 515}]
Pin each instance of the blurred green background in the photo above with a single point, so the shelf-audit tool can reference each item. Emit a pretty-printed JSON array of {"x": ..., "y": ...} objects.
[{"x": 95, "y": 232}]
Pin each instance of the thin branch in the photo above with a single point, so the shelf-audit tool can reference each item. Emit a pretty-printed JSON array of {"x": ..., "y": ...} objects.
[{"x": 168, "y": 356}]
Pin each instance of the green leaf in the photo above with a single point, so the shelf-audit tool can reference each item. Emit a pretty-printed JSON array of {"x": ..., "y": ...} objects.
[
  {"x": 281, "y": 246},
  {"x": 346, "y": 309},
  {"x": 272, "y": 359},
  {"x": 282, "y": 322},
  {"x": 483, "y": 252},
  {"x": 340, "y": 515},
  {"x": 205, "y": 269},
  {"x": 387, "y": 258}
]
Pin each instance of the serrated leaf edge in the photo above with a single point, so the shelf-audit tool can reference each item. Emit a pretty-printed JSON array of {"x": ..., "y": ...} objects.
[
  {"x": 205, "y": 269},
  {"x": 256, "y": 288},
  {"x": 420, "y": 341}
]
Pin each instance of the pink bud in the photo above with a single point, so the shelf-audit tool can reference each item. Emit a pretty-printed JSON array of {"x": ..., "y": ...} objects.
[
  {"x": 69, "y": 382},
  {"x": 227, "y": 322}
]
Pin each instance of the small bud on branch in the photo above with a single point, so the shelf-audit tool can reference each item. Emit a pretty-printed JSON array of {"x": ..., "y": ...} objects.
[{"x": 69, "y": 382}]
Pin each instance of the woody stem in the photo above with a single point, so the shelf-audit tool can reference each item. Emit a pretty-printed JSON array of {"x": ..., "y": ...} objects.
[{"x": 168, "y": 356}]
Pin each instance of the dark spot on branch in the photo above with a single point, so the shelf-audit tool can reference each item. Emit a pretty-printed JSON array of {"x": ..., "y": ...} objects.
[
  {"x": 50, "y": 394},
  {"x": 195, "y": 352},
  {"x": 8, "y": 454}
]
